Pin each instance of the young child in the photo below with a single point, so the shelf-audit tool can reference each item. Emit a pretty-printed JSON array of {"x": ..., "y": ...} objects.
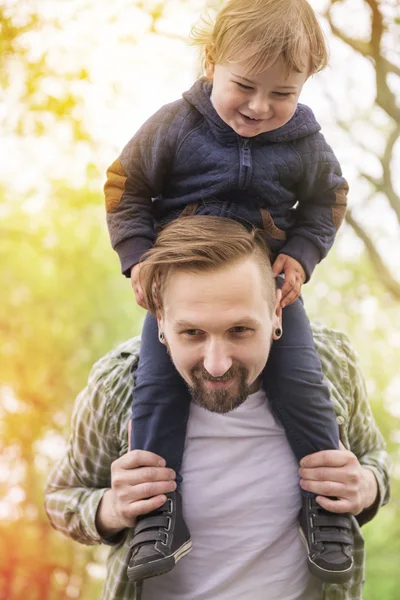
[{"x": 238, "y": 145}]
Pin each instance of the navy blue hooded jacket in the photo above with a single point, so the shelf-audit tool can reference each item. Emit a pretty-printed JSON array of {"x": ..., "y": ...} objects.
[{"x": 185, "y": 153}]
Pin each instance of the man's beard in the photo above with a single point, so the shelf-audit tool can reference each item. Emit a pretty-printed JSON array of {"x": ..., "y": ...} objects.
[{"x": 223, "y": 400}]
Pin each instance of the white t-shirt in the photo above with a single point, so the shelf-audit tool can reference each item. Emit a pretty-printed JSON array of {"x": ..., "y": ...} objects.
[{"x": 241, "y": 501}]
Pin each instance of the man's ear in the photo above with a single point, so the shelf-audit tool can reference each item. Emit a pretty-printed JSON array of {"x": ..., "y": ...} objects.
[
  {"x": 160, "y": 323},
  {"x": 277, "y": 316}
]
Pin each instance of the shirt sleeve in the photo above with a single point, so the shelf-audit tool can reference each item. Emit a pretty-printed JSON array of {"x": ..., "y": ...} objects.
[
  {"x": 321, "y": 207},
  {"x": 365, "y": 438},
  {"x": 78, "y": 482}
]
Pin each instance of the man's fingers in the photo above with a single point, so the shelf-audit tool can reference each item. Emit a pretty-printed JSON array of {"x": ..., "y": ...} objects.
[
  {"x": 131, "y": 511},
  {"x": 324, "y": 488},
  {"x": 326, "y": 458},
  {"x": 147, "y": 474},
  {"x": 143, "y": 491},
  {"x": 335, "y": 506},
  {"x": 140, "y": 458},
  {"x": 346, "y": 475}
]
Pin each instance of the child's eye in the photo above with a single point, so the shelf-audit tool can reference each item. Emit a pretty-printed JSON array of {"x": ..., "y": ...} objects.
[
  {"x": 283, "y": 94},
  {"x": 243, "y": 86}
]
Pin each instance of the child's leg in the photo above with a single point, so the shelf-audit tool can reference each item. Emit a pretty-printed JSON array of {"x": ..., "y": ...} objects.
[
  {"x": 160, "y": 411},
  {"x": 161, "y": 400},
  {"x": 295, "y": 388}
]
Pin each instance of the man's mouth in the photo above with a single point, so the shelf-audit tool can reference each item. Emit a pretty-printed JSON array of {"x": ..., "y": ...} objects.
[{"x": 218, "y": 385}]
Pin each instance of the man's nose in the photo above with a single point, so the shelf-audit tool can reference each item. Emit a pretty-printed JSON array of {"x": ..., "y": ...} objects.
[{"x": 217, "y": 360}]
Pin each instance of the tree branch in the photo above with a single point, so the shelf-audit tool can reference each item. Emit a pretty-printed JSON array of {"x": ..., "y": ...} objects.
[
  {"x": 386, "y": 160},
  {"x": 360, "y": 46},
  {"x": 383, "y": 273}
]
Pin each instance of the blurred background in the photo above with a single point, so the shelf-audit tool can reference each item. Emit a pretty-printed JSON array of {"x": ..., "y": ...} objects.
[{"x": 77, "y": 78}]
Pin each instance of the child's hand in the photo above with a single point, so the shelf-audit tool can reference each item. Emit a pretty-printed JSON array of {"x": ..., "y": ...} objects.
[
  {"x": 137, "y": 288},
  {"x": 294, "y": 277}
]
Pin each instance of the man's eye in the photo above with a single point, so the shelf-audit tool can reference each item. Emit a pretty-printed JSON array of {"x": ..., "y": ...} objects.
[
  {"x": 243, "y": 86},
  {"x": 240, "y": 330},
  {"x": 192, "y": 332}
]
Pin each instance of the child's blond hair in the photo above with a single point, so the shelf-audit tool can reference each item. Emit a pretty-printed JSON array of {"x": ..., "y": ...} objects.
[{"x": 258, "y": 32}]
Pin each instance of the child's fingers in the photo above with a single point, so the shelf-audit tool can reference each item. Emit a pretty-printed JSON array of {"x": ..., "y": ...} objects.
[
  {"x": 277, "y": 267},
  {"x": 290, "y": 293},
  {"x": 289, "y": 298}
]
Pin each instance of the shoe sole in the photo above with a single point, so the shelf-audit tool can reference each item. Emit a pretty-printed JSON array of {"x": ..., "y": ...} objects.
[
  {"x": 325, "y": 574},
  {"x": 159, "y": 566}
]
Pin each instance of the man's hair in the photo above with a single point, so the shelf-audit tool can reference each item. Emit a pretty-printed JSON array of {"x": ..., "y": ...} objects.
[
  {"x": 258, "y": 32},
  {"x": 198, "y": 244}
]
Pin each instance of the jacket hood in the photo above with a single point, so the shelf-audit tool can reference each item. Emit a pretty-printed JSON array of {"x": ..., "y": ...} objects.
[{"x": 302, "y": 123}]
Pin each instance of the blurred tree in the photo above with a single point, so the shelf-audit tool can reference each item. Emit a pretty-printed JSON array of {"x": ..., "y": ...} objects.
[
  {"x": 38, "y": 89},
  {"x": 381, "y": 121},
  {"x": 66, "y": 305}
]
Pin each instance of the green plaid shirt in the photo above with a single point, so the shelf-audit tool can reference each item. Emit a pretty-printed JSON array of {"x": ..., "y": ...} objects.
[{"x": 100, "y": 435}]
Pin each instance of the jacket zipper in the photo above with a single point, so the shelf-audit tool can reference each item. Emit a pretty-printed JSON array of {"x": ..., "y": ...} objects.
[{"x": 245, "y": 163}]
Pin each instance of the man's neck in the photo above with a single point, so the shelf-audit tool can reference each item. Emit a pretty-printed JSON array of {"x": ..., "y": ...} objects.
[{"x": 255, "y": 386}]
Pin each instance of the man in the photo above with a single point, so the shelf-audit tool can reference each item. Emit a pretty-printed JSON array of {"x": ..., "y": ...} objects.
[{"x": 218, "y": 312}]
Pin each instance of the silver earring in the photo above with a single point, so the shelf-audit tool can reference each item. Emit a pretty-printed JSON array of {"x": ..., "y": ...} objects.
[
  {"x": 161, "y": 336},
  {"x": 278, "y": 333}
]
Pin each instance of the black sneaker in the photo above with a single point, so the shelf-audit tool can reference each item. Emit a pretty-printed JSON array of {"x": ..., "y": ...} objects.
[
  {"x": 329, "y": 540},
  {"x": 161, "y": 538}
]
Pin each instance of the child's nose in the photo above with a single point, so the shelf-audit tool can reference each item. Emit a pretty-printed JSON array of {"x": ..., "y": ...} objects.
[{"x": 260, "y": 105}]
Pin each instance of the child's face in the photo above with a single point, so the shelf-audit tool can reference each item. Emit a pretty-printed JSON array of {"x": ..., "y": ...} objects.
[{"x": 256, "y": 104}]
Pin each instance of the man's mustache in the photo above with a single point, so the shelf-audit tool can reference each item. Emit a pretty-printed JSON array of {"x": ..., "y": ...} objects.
[{"x": 202, "y": 373}]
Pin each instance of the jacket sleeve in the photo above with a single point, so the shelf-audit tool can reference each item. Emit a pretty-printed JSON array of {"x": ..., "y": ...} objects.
[
  {"x": 134, "y": 179},
  {"x": 364, "y": 437},
  {"x": 79, "y": 480},
  {"x": 321, "y": 206}
]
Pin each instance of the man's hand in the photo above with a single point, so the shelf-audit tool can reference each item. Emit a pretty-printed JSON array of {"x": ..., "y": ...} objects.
[
  {"x": 337, "y": 473},
  {"x": 295, "y": 276},
  {"x": 139, "y": 480},
  {"x": 137, "y": 288}
]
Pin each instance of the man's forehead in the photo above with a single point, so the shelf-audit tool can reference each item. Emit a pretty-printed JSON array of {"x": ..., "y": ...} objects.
[{"x": 234, "y": 293}]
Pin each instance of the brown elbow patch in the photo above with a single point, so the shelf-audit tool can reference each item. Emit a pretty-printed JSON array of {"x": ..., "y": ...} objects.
[
  {"x": 115, "y": 185},
  {"x": 340, "y": 206},
  {"x": 270, "y": 227}
]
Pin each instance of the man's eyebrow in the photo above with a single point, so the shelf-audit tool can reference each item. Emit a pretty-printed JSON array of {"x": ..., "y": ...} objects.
[
  {"x": 246, "y": 321},
  {"x": 184, "y": 325}
]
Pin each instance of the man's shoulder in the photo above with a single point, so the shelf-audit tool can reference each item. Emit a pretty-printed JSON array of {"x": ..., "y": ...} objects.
[
  {"x": 116, "y": 365},
  {"x": 340, "y": 367},
  {"x": 332, "y": 342}
]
